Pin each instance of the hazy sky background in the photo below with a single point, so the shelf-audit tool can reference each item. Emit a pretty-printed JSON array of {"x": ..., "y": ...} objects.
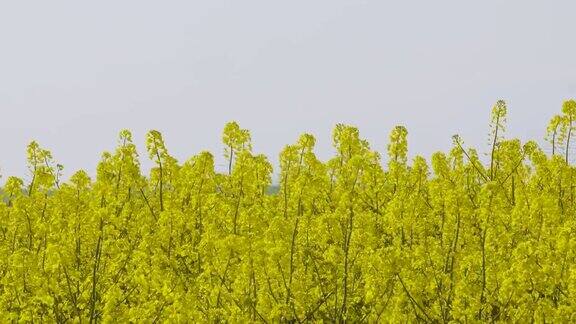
[{"x": 74, "y": 73}]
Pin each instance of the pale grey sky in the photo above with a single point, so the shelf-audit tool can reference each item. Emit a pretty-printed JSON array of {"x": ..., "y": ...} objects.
[{"x": 74, "y": 73}]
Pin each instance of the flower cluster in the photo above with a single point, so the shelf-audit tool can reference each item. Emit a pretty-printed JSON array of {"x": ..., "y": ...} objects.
[{"x": 351, "y": 239}]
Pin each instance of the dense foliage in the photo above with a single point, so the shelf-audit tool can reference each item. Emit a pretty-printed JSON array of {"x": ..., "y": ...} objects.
[{"x": 460, "y": 239}]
